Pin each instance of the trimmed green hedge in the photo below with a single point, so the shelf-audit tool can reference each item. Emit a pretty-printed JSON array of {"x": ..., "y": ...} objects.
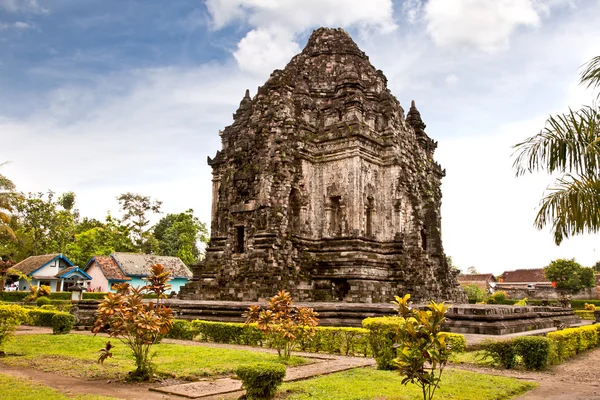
[
  {"x": 585, "y": 314},
  {"x": 62, "y": 323},
  {"x": 330, "y": 340},
  {"x": 580, "y": 304},
  {"x": 568, "y": 342},
  {"x": 261, "y": 379}
]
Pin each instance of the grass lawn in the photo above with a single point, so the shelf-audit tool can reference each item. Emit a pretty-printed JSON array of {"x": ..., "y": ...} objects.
[
  {"x": 367, "y": 383},
  {"x": 23, "y": 389},
  {"x": 76, "y": 355},
  {"x": 471, "y": 357}
]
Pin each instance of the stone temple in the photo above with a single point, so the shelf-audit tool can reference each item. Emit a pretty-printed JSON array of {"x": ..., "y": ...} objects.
[{"x": 325, "y": 188}]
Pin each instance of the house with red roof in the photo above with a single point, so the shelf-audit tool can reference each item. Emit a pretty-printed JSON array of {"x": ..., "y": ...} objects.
[
  {"x": 133, "y": 268},
  {"x": 482, "y": 281}
]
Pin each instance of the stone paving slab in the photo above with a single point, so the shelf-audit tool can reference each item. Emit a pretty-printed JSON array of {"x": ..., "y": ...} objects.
[{"x": 205, "y": 389}]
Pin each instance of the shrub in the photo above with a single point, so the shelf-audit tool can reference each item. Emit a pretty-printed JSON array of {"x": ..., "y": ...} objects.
[
  {"x": 43, "y": 301},
  {"x": 534, "y": 351},
  {"x": 261, "y": 379},
  {"x": 499, "y": 297},
  {"x": 456, "y": 342},
  {"x": 503, "y": 352},
  {"x": 137, "y": 324},
  {"x": 568, "y": 342},
  {"x": 522, "y": 302},
  {"x": 338, "y": 340},
  {"x": 383, "y": 335},
  {"x": 585, "y": 314},
  {"x": 11, "y": 316},
  {"x": 475, "y": 294},
  {"x": 12, "y": 297},
  {"x": 284, "y": 324},
  {"x": 93, "y": 295},
  {"x": 62, "y": 323},
  {"x": 423, "y": 352},
  {"x": 48, "y": 307},
  {"x": 580, "y": 304},
  {"x": 590, "y": 307},
  {"x": 182, "y": 329},
  {"x": 41, "y": 317}
]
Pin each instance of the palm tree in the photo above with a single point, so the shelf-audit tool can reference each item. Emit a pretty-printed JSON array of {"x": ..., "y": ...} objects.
[
  {"x": 569, "y": 145},
  {"x": 6, "y": 197}
]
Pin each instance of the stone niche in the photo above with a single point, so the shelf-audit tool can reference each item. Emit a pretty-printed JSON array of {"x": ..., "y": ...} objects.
[{"x": 324, "y": 187}]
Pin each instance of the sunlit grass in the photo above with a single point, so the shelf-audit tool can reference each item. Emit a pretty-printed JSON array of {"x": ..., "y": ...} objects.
[
  {"x": 76, "y": 355},
  {"x": 367, "y": 383}
]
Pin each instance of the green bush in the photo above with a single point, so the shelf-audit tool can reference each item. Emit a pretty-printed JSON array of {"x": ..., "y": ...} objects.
[
  {"x": 500, "y": 297},
  {"x": 13, "y": 297},
  {"x": 11, "y": 316},
  {"x": 383, "y": 334},
  {"x": 93, "y": 295},
  {"x": 503, "y": 352},
  {"x": 261, "y": 379},
  {"x": 182, "y": 329},
  {"x": 457, "y": 342},
  {"x": 534, "y": 351},
  {"x": 567, "y": 343},
  {"x": 228, "y": 332},
  {"x": 48, "y": 307},
  {"x": 580, "y": 304},
  {"x": 40, "y": 317},
  {"x": 60, "y": 296},
  {"x": 43, "y": 301},
  {"x": 585, "y": 314},
  {"x": 62, "y": 323},
  {"x": 475, "y": 294},
  {"x": 339, "y": 340}
]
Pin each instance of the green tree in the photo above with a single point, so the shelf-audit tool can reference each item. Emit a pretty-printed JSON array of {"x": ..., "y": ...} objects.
[
  {"x": 100, "y": 240},
  {"x": 178, "y": 235},
  {"x": 569, "y": 275},
  {"x": 7, "y": 197},
  {"x": 41, "y": 226},
  {"x": 568, "y": 145},
  {"x": 4, "y": 267},
  {"x": 135, "y": 209},
  {"x": 596, "y": 266}
]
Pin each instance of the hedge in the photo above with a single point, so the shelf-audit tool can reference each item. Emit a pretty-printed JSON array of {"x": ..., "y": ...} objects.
[
  {"x": 585, "y": 314},
  {"x": 261, "y": 379},
  {"x": 568, "y": 342},
  {"x": 62, "y": 323},
  {"x": 330, "y": 340},
  {"x": 580, "y": 304}
]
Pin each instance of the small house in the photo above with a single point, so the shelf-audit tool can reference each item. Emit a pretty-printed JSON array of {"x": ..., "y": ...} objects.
[
  {"x": 525, "y": 278},
  {"x": 53, "y": 270},
  {"x": 133, "y": 268}
]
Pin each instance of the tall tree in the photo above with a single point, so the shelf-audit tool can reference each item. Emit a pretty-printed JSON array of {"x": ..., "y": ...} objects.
[
  {"x": 99, "y": 240},
  {"x": 7, "y": 196},
  {"x": 42, "y": 225},
  {"x": 135, "y": 209},
  {"x": 569, "y": 275},
  {"x": 568, "y": 145},
  {"x": 179, "y": 235}
]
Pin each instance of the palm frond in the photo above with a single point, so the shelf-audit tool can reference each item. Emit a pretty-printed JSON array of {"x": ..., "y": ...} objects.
[
  {"x": 572, "y": 207},
  {"x": 590, "y": 76},
  {"x": 569, "y": 142}
]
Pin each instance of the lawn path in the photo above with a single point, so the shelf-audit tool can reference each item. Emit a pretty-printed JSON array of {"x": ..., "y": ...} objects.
[{"x": 576, "y": 379}]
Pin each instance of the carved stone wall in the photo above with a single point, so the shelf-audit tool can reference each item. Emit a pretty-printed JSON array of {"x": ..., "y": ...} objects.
[{"x": 323, "y": 187}]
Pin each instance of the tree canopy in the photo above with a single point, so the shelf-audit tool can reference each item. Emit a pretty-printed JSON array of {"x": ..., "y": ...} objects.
[
  {"x": 179, "y": 234},
  {"x": 568, "y": 145},
  {"x": 569, "y": 275}
]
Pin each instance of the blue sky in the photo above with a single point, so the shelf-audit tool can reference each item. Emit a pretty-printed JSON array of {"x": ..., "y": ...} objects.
[{"x": 104, "y": 97}]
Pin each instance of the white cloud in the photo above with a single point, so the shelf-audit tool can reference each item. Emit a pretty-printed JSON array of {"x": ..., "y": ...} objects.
[
  {"x": 22, "y": 6},
  {"x": 146, "y": 131},
  {"x": 265, "y": 50},
  {"x": 451, "y": 80},
  {"x": 19, "y": 25},
  {"x": 276, "y": 23},
  {"x": 483, "y": 24}
]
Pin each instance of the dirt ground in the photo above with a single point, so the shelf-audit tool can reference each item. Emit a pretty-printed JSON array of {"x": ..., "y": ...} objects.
[{"x": 577, "y": 379}]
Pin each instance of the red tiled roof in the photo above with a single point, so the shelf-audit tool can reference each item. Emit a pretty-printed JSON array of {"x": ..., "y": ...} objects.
[
  {"x": 524, "y": 275},
  {"x": 109, "y": 268},
  {"x": 476, "y": 278}
]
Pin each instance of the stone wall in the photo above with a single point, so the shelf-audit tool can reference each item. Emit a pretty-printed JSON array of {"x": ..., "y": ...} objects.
[{"x": 545, "y": 293}]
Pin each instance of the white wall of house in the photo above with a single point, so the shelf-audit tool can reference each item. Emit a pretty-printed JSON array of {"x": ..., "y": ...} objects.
[
  {"x": 52, "y": 268},
  {"x": 24, "y": 285},
  {"x": 98, "y": 278}
]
